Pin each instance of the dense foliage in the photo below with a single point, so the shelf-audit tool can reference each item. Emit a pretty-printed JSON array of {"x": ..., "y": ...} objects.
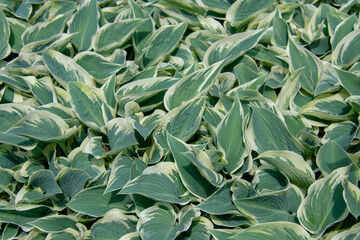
[{"x": 179, "y": 119}]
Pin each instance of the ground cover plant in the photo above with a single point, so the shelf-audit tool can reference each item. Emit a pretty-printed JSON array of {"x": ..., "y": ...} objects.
[{"x": 179, "y": 119}]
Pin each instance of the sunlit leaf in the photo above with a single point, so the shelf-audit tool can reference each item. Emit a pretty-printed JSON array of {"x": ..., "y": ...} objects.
[
  {"x": 161, "y": 43},
  {"x": 91, "y": 201},
  {"x": 232, "y": 47},
  {"x": 113, "y": 225},
  {"x": 161, "y": 182},
  {"x": 261, "y": 137},
  {"x": 316, "y": 213},
  {"x": 64, "y": 69},
  {"x": 4, "y": 39},
  {"x": 113, "y": 35},
  {"x": 272, "y": 231},
  {"x": 159, "y": 221},
  {"x": 84, "y": 22}
]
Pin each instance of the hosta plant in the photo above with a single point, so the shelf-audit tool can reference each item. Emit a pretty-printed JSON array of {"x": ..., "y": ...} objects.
[{"x": 179, "y": 119}]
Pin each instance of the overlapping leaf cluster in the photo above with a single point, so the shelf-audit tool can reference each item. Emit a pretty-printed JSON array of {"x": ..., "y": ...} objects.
[{"x": 179, "y": 119}]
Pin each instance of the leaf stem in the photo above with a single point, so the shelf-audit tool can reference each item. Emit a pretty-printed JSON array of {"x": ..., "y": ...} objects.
[{"x": 63, "y": 147}]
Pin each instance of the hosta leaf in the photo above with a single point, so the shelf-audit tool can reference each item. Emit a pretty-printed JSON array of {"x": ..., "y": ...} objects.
[
  {"x": 261, "y": 137},
  {"x": 72, "y": 181},
  {"x": 18, "y": 141},
  {"x": 6, "y": 178},
  {"x": 212, "y": 116},
  {"x": 267, "y": 55},
  {"x": 123, "y": 170},
  {"x": 142, "y": 91},
  {"x": 343, "y": 29},
  {"x": 331, "y": 156},
  {"x": 200, "y": 41},
  {"x": 192, "y": 177},
  {"x": 11, "y": 113},
  {"x": 42, "y": 125},
  {"x": 280, "y": 33},
  {"x": 217, "y": 5},
  {"x": 44, "y": 30},
  {"x": 54, "y": 223},
  {"x": 49, "y": 10},
  {"x": 42, "y": 89},
  {"x": 185, "y": 7},
  {"x": 45, "y": 180},
  {"x": 333, "y": 20},
  {"x": 162, "y": 222},
  {"x": 354, "y": 102},
  {"x": 5, "y": 47},
  {"x": 345, "y": 54},
  {"x": 68, "y": 233},
  {"x": 64, "y": 69},
  {"x": 331, "y": 107},
  {"x": 184, "y": 53},
  {"x": 131, "y": 236},
  {"x": 91, "y": 201},
  {"x": 268, "y": 180},
  {"x": 16, "y": 81},
  {"x": 143, "y": 32},
  {"x": 271, "y": 206},
  {"x": 244, "y": 74},
  {"x": 316, "y": 213},
  {"x": 328, "y": 80},
  {"x": 153, "y": 154},
  {"x": 292, "y": 165},
  {"x": 192, "y": 86},
  {"x": 350, "y": 234},
  {"x": 342, "y": 133},
  {"x": 43, "y": 186},
  {"x": 23, "y": 10},
  {"x": 113, "y": 225},
  {"x": 222, "y": 234},
  {"x": 289, "y": 90},
  {"x": 199, "y": 230},
  {"x": 352, "y": 197},
  {"x": 219, "y": 202},
  {"x": 81, "y": 160},
  {"x": 84, "y": 22},
  {"x": 230, "y": 137},
  {"x": 303, "y": 58},
  {"x": 113, "y": 35},
  {"x": 161, "y": 43},
  {"x": 273, "y": 231},
  {"x": 161, "y": 182},
  {"x": 96, "y": 65},
  {"x": 10, "y": 231},
  {"x": 203, "y": 163},
  {"x": 23, "y": 215},
  {"x": 316, "y": 24},
  {"x": 233, "y": 219},
  {"x": 349, "y": 81},
  {"x": 8, "y": 158},
  {"x": 254, "y": 84},
  {"x": 232, "y": 47},
  {"x": 242, "y": 9},
  {"x": 17, "y": 27},
  {"x": 148, "y": 123},
  {"x": 62, "y": 111},
  {"x": 181, "y": 122},
  {"x": 109, "y": 91},
  {"x": 89, "y": 105},
  {"x": 57, "y": 42},
  {"x": 120, "y": 133}
]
